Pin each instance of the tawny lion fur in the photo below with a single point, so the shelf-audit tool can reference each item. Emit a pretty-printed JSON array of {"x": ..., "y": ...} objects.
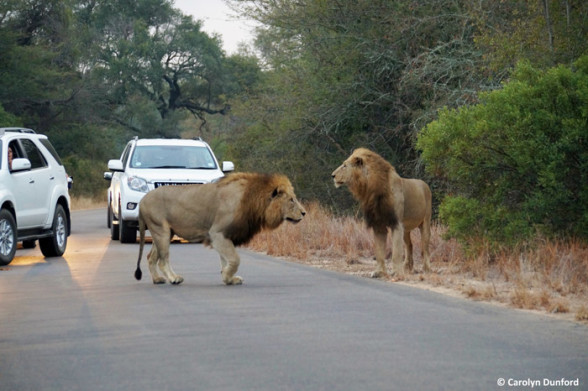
[
  {"x": 224, "y": 214},
  {"x": 388, "y": 201}
]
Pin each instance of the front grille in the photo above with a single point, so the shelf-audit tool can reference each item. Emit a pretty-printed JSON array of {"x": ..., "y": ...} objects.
[{"x": 160, "y": 184}]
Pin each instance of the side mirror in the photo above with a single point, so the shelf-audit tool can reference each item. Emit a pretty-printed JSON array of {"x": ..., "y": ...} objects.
[
  {"x": 69, "y": 182},
  {"x": 20, "y": 164},
  {"x": 115, "y": 165},
  {"x": 108, "y": 175},
  {"x": 228, "y": 166}
]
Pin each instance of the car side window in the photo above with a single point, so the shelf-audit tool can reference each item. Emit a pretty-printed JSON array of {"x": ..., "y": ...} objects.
[
  {"x": 125, "y": 155},
  {"x": 16, "y": 151},
  {"x": 33, "y": 154}
]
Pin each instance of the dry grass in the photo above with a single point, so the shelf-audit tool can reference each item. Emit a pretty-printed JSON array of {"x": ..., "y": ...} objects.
[
  {"x": 80, "y": 203},
  {"x": 546, "y": 275}
]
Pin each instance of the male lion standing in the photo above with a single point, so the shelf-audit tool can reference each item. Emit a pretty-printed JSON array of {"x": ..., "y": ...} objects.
[
  {"x": 224, "y": 214},
  {"x": 388, "y": 201}
]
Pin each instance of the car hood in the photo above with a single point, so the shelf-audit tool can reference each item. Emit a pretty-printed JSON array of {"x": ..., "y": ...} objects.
[{"x": 176, "y": 175}]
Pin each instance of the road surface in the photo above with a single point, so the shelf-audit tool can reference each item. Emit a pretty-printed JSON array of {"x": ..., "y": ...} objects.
[{"x": 82, "y": 322}]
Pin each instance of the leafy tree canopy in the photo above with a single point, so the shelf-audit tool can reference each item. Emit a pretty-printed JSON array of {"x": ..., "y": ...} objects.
[
  {"x": 90, "y": 73},
  {"x": 518, "y": 161}
]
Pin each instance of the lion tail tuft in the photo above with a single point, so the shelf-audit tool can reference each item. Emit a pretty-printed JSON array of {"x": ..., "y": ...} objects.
[{"x": 138, "y": 273}]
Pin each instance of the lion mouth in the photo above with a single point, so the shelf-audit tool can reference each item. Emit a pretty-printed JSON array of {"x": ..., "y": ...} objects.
[{"x": 293, "y": 221}]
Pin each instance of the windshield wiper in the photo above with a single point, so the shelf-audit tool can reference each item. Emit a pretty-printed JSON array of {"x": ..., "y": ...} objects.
[{"x": 168, "y": 167}]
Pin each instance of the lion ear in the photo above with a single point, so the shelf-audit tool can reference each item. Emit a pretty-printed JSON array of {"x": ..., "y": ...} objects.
[
  {"x": 357, "y": 161},
  {"x": 276, "y": 192}
]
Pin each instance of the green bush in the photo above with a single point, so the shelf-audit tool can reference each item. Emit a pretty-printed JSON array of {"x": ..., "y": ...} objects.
[
  {"x": 518, "y": 161},
  {"x": 7, "y": 119}
]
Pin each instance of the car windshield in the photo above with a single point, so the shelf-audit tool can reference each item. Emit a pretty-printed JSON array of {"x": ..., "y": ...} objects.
[{"x": 172, "y": 156}]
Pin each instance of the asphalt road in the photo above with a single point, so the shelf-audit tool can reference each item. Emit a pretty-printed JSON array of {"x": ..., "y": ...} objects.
[{"x": 82, "y": 322}]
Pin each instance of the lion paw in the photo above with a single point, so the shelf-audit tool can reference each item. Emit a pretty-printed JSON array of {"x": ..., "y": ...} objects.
[
  {"x": 379, "y": 274},
  {"x": 178, "y": 280},
  {"x": 159, "y": 280},
  {"x": 236, "y": 280}
]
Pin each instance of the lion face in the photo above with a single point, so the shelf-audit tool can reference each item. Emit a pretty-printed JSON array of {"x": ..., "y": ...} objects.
[
  {"x": 344, "y": 173},
  {"x": 284, "y": 206}
]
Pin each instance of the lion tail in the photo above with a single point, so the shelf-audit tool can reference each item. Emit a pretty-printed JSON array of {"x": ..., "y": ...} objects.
[{"x": 138, "y": 272}]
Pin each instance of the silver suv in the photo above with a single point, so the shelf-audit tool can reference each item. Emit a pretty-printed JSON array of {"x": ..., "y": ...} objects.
[
  {"x": 146, "y": 164},
  {"x": 34, "y": 197}
]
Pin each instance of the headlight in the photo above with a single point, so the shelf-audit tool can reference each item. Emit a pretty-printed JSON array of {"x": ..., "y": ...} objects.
[{"x": 138, "y": 184}]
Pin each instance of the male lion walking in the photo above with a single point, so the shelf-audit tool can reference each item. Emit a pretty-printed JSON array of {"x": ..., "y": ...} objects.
[
  {"x": 224, "y": 214},
  {"x": 388, "y": 201}
]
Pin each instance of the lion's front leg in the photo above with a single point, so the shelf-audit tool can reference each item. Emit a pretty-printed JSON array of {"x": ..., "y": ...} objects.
[
  {"x": 380, "y": 237},
  {"x": 229, "y": 259},
  {"x": 408, "y": 259},
  {"x": 398, "y": 264}
]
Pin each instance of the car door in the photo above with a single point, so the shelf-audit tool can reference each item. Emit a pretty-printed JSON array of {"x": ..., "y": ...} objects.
[
  {"x": 32, "y": 188},
  {"x": 117, "y": 178}
]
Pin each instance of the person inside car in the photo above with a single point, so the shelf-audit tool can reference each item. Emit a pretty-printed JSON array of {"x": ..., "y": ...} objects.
[{"x": 10, "y": 156}]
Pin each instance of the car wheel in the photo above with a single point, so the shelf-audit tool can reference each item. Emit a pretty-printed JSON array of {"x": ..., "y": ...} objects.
[
  {"x": 114, "y": 226},
  {"x": 8, "y": 238},
  {"x": 109, "y": 216},
  {"x": 128, "y": 234},
  {"x": 55, "y": 245}
]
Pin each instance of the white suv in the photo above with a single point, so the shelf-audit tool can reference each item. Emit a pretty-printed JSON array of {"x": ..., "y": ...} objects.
[
  {"x": 146, "y": 164},
  {"x": 34, "y": 198}
]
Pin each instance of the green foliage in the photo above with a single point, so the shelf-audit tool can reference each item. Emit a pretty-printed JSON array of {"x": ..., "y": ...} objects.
[
  {"x": 518, "y": 161},
  {"x": 92, "y": 74},
  {"x": 340, "y": 75},
  {"x": 327, "y": 76},
  {"x": 7, "y": 119},
  {"x": 545, "y": 32},
  {"x": 86, "y": 160}
]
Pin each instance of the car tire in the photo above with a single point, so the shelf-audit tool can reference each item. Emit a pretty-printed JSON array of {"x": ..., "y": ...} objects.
[
  {"x": 109, "y": 216},
  {"x": 54, "y": 246},
  {"x": 114, "y": 231},
  {"x": 8, "y": 238},
  {"x": 128, "y": 233},
  {"x": 114, "y": 226}
]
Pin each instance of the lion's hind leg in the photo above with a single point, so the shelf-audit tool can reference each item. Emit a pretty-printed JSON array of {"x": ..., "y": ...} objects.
[
  {"x": 152, "y": 259},
  {"x": 161, "y": 242},
  {"x": 425, "y": 229}
]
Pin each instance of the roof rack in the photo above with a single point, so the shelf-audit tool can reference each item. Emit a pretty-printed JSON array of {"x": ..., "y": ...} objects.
[{"x": 16, "y": 130}]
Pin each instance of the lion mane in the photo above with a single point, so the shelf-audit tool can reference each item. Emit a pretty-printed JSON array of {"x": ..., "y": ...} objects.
[
  {"x": 388, "y": 202},
  {"x": 254, "y": 213},
  {"x": 368, "y": 186},
  {"x": 223, "y": 215}
]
